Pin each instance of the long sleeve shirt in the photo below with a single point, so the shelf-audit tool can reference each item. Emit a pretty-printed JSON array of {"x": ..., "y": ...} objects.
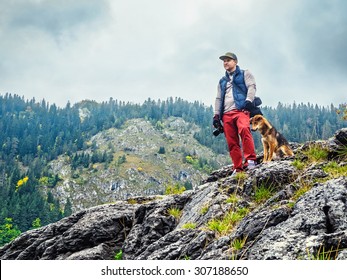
[{"x": 229, "y": 103}]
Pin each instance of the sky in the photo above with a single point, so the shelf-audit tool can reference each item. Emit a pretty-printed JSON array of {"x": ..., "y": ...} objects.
[{"x": 131, "y": 50}]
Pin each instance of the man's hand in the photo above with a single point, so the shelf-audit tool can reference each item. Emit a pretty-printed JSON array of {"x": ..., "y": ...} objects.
[
  {"x": 248, "y": 105},
  {"x": 216, "y": 121}
]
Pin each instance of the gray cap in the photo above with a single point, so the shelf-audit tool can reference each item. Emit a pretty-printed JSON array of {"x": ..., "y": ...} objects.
[{"x": 228, "y": 55}]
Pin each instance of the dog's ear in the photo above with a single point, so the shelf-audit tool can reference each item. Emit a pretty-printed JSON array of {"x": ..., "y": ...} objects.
[{"x": 250, "y": 120}]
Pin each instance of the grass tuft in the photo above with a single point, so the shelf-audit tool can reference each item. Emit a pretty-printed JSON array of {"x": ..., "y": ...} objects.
[
  {"x": 175, "y": 212},
  {"x": 335, "y": 170},
  {"x": 304, "y": 189},
  {"x": 238, "y": 244},
  {"x": 189, "y": 226},
  {"x": 263, "y": 193},
  {"x": 174, "y": 189},
  {"x": 232, "y": 199},
  {"x": 298, "y": 164},
  {"x": 119, "y": 255},
  {"x": 225, "y": 225},
  {"x": 316, "y": 153}
]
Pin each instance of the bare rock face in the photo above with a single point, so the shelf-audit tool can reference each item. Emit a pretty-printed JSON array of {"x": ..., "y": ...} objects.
[
  {"x": 91, "y": 234},
  {"x": 285, "y": 226},
  {"x": 318, "y": 220}
]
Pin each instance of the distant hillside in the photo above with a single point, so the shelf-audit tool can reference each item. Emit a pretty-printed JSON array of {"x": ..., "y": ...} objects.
[{"x": 144, "y": 160}]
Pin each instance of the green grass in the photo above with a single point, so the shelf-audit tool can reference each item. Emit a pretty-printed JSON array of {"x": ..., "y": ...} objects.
[
  {"x": 322, "y": 254},
  {"x": 174, "y": 189},
  {"x": 291, "y": 204},
  {"x": 204, "y": 209},
  {"x": 298, "y": 164},
  {"x": 189, "y": 226},
  {"x": 263, "y": 193},
  {"x": 232, "y": 199},
  {"x": 132, "y": 201},
  {"x": 315, "y": 153},
  {"x": 119, "y": 255},
  {"x": 225, "y": 225},
  {"x": 241, "y": 177},
  {"x": 342, "y": 152},
  {"x": 218, "y": 226},
  {"x": 238, "y": 243},
  {"x": 335, "y": 170},
  {"x": 175, "y": 212},
  {"x": 303, "y": 189}
]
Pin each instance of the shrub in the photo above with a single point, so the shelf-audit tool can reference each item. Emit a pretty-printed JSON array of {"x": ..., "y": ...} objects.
[{"x": 8, "y": 231}]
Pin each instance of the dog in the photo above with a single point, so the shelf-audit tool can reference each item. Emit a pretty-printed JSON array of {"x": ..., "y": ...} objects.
[{"x": 274, "y": 143}]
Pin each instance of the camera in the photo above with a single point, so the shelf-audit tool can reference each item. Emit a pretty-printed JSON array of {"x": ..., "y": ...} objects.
[{"x": 218, "y": 131}]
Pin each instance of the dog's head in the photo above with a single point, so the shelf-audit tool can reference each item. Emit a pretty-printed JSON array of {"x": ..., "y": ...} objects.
[{"x": 257, "y": 122}]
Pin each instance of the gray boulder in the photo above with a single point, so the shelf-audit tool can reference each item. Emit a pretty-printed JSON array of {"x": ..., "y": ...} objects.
[{"x": 287, "y": 225}]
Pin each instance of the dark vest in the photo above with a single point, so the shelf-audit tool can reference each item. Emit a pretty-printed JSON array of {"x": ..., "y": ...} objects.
[{"x": 239, "y": 89}]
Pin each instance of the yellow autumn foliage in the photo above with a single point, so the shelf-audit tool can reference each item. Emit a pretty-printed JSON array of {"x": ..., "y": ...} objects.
[{"x": 21, "y": 182}]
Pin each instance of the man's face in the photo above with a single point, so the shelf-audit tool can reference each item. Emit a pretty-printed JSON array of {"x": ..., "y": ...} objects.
[{"x": 229, "y": 64}]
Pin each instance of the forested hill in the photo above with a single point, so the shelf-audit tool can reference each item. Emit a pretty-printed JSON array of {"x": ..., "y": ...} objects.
[
  {"x": 33, "y": 133},
  {"x": 33, "y": 129}
]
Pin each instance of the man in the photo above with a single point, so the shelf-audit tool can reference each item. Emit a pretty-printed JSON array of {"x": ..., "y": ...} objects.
[{"x": 236, "y": 92}]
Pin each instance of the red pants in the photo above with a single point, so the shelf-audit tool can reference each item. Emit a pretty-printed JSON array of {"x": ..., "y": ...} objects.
[{"x": 236, "y": 126}]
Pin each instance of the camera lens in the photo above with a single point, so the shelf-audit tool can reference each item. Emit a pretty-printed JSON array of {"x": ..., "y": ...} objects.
[{"x": 216, "y": 132}]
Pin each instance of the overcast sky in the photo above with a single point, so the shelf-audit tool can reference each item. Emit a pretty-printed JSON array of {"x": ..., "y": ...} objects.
[{"x": 130, "y": 50}]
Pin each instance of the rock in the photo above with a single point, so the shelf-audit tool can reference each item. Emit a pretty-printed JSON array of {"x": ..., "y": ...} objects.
[
  {"x": 206, "y": 202},
  {"x": 317, "y": 219},
  {"x": 287, "y": 225},
  {"x": 178, "y": 244},
  {"x": 340, "y": 137},
  {"x": 151, "y": 221},
  {"x": 275, "y": 174},
  {"x": 217, "y": 174},
  {"x": 89, "y": 234}
]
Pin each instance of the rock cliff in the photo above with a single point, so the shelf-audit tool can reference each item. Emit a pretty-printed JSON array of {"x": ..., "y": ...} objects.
[{"x": 294, "y": 208}]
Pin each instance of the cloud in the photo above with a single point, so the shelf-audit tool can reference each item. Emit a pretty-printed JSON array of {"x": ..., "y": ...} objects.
[
  {"x": 53, "y": 17},
  {"x": 322, "y": 35},
  {"x": 132, "y": 50}
]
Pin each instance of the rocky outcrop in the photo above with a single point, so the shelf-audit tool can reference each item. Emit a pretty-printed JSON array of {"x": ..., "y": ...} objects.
[{"x": 305, "y": 217}]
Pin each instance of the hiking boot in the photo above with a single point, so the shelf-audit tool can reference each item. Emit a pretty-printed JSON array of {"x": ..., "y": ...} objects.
[{"x": 251, "y": 164}]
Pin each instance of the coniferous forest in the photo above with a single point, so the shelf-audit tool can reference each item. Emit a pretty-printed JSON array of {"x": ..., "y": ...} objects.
[{"x": 35, "y": 132}]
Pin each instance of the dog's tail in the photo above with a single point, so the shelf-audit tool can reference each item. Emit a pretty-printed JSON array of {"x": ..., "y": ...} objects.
[{"x": 286, "y": 150}]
